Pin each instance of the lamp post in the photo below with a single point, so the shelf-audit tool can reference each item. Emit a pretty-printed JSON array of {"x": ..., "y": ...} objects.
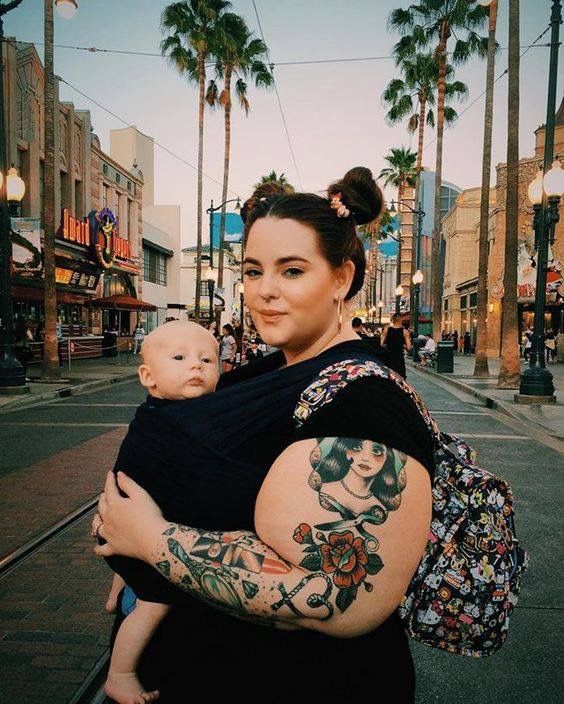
[
  {"x": 12, "y": 377},
  {"x": 417, "y": 280},
  {"x": 15, "y": 191},
  {"x": 380, "y": 305},
  {"x": 241, "y": 289},
  {"x": 536, "y": 384},
  {"x": 210, "y": 211},
  {"x": 210, "y": 275},
  {"x": 420, "y": 215}
]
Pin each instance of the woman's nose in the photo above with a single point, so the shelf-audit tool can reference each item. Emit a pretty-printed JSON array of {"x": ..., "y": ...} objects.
[{"x": 268, "y": 287}]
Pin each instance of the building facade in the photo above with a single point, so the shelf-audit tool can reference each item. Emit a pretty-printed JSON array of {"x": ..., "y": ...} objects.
[
  {"x": 161, "y": 251},
  {"x": 97, "y": 247}
]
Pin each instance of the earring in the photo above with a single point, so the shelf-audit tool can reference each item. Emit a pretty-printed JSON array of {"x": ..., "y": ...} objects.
[{"x": 339, "y": 315}]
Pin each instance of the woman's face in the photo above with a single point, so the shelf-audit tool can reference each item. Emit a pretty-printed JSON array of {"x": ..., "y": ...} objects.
[
  {"x": 367, "y": 460},
  {"x": 290, "y": 288}
]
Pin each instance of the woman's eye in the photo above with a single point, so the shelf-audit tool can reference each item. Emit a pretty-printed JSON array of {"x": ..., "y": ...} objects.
[
  {"x": 251, "y": 273},
  {"x": 178, "y": 357},
  {"x": 292, "y": 272}
]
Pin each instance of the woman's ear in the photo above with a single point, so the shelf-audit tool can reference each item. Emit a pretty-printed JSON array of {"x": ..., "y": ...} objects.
[
  {"x": 145, "y": 377},
  {"x": 344, "y": 276}
]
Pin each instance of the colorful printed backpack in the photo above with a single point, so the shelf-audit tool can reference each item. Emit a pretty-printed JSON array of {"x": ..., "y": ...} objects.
[{"x": 468, "y": 581}]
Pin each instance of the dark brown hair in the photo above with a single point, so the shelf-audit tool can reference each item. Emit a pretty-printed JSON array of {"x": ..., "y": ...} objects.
[{"x": 338, "y": 239}]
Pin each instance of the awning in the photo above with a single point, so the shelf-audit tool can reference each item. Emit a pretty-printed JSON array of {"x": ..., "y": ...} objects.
[{"x": 121, "y": 302}]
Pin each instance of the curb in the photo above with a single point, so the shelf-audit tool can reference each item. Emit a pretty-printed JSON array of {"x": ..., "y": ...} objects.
[
  {"x": 489, "y": 402},
  {"x": 65, "y": 392}
]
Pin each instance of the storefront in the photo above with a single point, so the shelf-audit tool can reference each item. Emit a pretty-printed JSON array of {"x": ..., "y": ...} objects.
[{"x": 87, "y": 253}]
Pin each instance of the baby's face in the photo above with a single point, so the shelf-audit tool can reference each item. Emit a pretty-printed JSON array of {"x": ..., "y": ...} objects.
[{"x": 180, "y": 361}]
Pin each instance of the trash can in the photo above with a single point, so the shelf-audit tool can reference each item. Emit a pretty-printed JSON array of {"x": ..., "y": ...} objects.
[
  {"x": 444, "y": 362},
  {"x": 109, "y": 343},
  {"x": 418, "y": 343}
]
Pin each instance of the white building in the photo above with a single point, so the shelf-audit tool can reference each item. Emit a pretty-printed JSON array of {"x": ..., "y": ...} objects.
[{"x": 161, "y": 229}]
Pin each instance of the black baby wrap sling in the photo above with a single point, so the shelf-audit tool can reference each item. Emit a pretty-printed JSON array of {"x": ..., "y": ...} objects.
[{"x": 173, "y": 447}]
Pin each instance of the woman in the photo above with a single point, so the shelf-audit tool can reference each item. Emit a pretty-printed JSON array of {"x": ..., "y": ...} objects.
[
  {"x": 395, "y": 339},
  {"x": 315, "y": 606},
  {"x": 227, "y": 348},
  {"x": 138, "y": 337}
]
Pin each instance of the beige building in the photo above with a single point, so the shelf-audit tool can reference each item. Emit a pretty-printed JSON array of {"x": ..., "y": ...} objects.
[
  {"x": 161, "y": 251},
  {"x": 461, "y": 233},
  {"x": 526, "y": 265},
  {"x": 95, "y": 255}
]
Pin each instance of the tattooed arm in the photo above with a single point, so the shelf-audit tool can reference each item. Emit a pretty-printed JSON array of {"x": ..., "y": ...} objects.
[{"x": 341, "y": 525}]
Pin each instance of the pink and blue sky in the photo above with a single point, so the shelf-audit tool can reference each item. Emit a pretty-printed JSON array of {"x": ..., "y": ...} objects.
[{"x": 333, "y": 111}]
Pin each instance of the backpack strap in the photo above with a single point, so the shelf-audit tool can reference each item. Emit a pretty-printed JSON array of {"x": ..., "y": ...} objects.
[{"x": 324, "y": 388}]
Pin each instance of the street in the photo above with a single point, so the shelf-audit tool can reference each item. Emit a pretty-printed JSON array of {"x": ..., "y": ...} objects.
[{"x": 53, "y": 629}]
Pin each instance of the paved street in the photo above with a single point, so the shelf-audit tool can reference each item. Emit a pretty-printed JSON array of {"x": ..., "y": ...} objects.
[{"x": 53, "y": 628}]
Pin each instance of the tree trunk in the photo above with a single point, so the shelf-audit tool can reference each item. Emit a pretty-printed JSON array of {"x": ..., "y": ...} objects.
[
  {"x": 50, "y": 369},
  {"x": 510, "y": 367},
  {"x": 437, "y": 283},
  {"x": 481, "y": 362},
  {"x": 418, "y": 168},
  {"x": 227, "y": 108},
  {"x": 201, "y": 105}
]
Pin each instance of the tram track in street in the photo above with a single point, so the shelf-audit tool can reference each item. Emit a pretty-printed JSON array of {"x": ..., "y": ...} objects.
[{"x": 11, "y": 561}]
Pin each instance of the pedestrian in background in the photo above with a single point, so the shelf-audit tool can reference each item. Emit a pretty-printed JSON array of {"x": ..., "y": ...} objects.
[
  {"x": 466, "y": 343},
  {"x": 138, "y": 337},
  {"x": 228, "y": 348},
  {"x": 358, "y": 327},
  {"x": 550, "y": 346},
  {"x": 396, "y": 339},
  {"x": 455, "y": 341},
  {"x": 22, "y": 339}
]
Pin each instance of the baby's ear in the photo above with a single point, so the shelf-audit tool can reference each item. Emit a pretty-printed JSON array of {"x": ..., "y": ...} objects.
[{"x": 145, "y": 376}]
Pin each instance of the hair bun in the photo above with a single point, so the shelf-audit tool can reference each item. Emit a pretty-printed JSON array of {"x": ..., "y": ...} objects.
[
  {"x": 360, "y": 194},
  {"x": 263, "y": 192}
]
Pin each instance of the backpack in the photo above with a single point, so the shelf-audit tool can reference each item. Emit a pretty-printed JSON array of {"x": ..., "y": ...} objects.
[{"x": 468, "y": 580}]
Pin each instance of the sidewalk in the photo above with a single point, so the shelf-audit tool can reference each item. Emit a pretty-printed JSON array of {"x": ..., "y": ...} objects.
[
  {"x": 546, "y": 418},
  {"x": 84, "y": 375}
]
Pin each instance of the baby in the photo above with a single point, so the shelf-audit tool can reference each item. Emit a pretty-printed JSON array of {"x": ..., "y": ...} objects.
[{"x": 179, "y": 362}]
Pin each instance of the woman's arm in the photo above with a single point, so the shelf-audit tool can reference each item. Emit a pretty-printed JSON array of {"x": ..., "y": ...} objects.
[
  {"x": 383, "y": 336},
  {"x": 407, "y": 339},
  {"x": 306, "y": 566}
]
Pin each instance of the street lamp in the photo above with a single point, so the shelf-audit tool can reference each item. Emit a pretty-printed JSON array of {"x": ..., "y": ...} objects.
[
  {"x": 241, "y": 290},
  {"x": 417, "y": 280},
  {"x": 380, "y": 305},
  {"x": 12, "y": 376},
  {"x": 536, "y": 384},
  {"x": 210, "y": 275},
  {"x": 66, "y": 8},
  {"x": 399, "y": 294},
  {"x": 15, "y": 191},
  {"x": 417, "y": 291}
]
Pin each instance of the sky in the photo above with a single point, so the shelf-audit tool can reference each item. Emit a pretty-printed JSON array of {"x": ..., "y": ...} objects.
[{"x": 333, "y": 111}]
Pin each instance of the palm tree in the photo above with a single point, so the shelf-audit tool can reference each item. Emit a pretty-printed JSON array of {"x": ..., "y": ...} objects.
[
  {"x": 510, "y": 367},
  {"x": 194, "y": 33},
  {"x": 273, "y": 177},
  {"x": 425, "y": 24},
  {"x": 50, "y": 364},
  {"x": 481, "y": 361},
  {"x": 413, "y": 97},
  {"x": 242, "y": 58},
  {"x": 400, "y": 173}
]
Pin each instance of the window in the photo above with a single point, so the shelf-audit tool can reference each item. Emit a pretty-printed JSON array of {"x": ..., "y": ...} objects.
[
  {"x": 105, "y": 169},
  {"x": 446, "y": 304},
  {"x": 129, "y": 186},
  {"x": 154, "y": 267},
  {"x": 204, "y": 290},
  {"x": 118, "y": 177},
  {"x": 474, "y": 300},
  {"x": 463, "y": 302},
  {"x": 104, "y": 196}
]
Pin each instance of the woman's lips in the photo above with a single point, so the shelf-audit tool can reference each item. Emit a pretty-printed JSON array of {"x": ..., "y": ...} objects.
[{"x": 271, "y": 316}]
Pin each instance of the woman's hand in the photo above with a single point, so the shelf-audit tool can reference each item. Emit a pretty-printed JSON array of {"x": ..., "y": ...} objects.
[{"x": 129, "y": 524}]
